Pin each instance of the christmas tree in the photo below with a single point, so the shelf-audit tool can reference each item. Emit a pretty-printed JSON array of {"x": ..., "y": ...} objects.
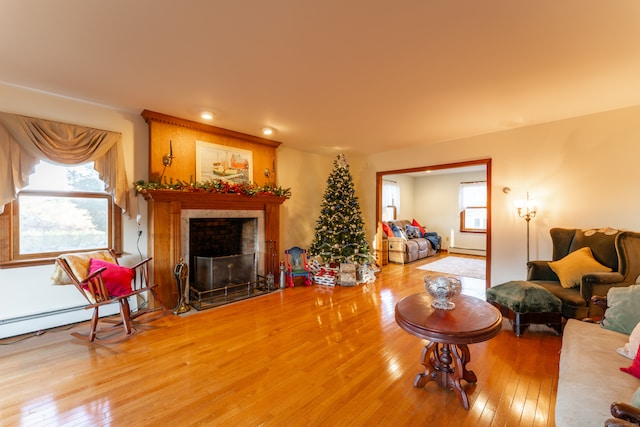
[{"x": 340, "y": 234}]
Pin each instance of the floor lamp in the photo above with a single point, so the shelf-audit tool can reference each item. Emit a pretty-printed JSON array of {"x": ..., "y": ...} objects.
[{"x": 526, "y": 209}]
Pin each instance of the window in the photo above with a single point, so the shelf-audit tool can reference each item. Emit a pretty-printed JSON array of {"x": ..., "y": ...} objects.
[
  {"x": 390, "y": 200},
  {"x": 63, "y": 209},
  {"x": 473, "y": 207}
]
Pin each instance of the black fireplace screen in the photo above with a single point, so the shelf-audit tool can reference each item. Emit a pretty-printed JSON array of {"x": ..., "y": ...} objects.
[
  {"x": 224, "y": 279},
  {"x": 219, "y": 272}
]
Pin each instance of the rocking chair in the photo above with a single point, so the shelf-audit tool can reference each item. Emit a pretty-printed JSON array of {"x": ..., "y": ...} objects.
[
  {"x": 102, "y": 281},
  {"x": 297, "y": 266}
]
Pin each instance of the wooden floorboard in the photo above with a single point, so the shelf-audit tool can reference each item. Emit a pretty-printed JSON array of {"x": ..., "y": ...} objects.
[{"x": 304, "y": 356}]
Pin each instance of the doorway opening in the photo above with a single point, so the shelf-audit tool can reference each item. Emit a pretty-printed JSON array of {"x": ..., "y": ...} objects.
[{"x": 419, "y": 194}]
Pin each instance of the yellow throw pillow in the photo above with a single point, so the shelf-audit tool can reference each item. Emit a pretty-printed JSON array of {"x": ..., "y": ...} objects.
[{"x": 572, "y": 267}]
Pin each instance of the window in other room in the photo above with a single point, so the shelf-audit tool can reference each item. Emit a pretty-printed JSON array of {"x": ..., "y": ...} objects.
[
  {"x": 390, "y": 200},
  {"x": 473, "y": 207}
]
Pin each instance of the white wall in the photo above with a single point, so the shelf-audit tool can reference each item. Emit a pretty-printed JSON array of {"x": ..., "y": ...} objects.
[
  {"x": 581, "y": 171},
  {"x": 437, "y": 205},
  {"x": 306, "y": 174},
  {"x": 27, "y": 291}
]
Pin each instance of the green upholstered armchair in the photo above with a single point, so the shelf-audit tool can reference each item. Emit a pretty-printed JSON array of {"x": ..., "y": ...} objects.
[{"x": 618, "y": 250}]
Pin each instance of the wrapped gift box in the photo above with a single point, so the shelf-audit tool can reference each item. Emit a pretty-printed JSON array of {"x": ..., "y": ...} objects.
[
  {"x": 348, "y": 275},
  {"x": 325, "y": 275}
]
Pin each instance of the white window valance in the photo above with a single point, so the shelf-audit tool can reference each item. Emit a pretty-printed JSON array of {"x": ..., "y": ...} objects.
[
  {"x": 473, "y": 194},
  {"x": 25, "y": 141}
]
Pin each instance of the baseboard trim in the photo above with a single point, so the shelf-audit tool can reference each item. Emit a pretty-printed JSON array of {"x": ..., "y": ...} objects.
[{"x": 467, "y": 251}]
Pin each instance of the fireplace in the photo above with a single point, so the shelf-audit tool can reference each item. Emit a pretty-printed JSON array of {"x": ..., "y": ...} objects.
[
  {"x": 169, "y": 214},
  {"x": 225, "y": 251}
]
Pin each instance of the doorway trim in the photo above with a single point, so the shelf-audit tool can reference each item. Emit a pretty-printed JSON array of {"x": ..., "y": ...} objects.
[{"x": 480, "y": 162}]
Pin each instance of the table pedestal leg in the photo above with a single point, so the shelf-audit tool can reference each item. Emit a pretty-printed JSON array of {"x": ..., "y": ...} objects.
[{"x": 438, "y": 360}]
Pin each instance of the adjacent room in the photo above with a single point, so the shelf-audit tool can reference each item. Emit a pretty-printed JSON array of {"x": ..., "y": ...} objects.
[{"x": 319, "y": 213}]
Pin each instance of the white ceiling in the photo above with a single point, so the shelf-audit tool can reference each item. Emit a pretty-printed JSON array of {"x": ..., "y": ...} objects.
[{"x": 333, "y": 75}]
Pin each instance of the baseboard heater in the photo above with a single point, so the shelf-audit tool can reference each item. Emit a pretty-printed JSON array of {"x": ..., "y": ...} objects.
[
  {"x": 41, "y": 315},
  {"x": 467, "y": 251}
]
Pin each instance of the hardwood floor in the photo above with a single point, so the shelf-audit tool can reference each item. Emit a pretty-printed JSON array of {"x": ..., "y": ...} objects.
[{"x": 304, "y": 356}]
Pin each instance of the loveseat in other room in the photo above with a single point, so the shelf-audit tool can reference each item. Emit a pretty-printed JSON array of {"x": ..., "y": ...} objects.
[{"x": 409, "y": 241}]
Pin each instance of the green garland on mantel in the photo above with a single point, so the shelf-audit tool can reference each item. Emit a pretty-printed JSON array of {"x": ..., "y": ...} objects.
[{"x": 214, "y": 186}]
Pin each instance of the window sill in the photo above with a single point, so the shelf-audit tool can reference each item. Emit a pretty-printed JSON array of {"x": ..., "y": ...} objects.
[
  {"x": 26, "y": 262},
  {"x": 32, "y": 262}
]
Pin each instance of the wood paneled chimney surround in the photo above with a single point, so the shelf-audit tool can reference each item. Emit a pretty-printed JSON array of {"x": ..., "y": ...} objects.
[{"x": 165, "y": 206}]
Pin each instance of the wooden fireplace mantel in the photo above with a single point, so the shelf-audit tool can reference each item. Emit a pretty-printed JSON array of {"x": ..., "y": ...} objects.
[
  {"x": 165, "y": 208},
  {"x": 206, "y": 200}
]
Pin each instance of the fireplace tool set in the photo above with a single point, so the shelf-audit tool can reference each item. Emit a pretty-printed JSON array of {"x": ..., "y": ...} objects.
[{"x": 181, "y": 272}]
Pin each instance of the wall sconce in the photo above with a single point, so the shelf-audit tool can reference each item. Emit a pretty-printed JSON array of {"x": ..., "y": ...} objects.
[
  {"x": 268, "y": 172},
  {"x": 527, "y": 209},
  {"x": 167, "y": 159}
]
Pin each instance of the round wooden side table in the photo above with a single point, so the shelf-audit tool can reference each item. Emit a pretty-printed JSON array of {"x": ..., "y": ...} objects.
[{"x": 449, "y": 332}]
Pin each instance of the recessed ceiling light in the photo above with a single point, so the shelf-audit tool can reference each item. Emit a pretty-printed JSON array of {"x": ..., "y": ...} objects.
[
  {"x": 267, "y": 131},
  {"x": 206, "y": 115}
]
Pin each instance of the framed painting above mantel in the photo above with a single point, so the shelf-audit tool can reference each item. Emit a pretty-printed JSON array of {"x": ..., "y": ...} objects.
[{"x": 214, "y": 161}]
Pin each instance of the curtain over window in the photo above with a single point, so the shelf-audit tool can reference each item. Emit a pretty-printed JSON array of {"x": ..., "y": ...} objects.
[
  {"x": 473, "y": 194},
  {"x": 24, "y": 141},
  {"x": 390, "y": 200}
]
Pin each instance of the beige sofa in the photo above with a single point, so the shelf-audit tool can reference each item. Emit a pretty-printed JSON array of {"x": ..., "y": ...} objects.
[
  {"x": 403, "y": 250},
  {"x": 590, "y": 379},
  {"x": 591, "y": 386}
]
